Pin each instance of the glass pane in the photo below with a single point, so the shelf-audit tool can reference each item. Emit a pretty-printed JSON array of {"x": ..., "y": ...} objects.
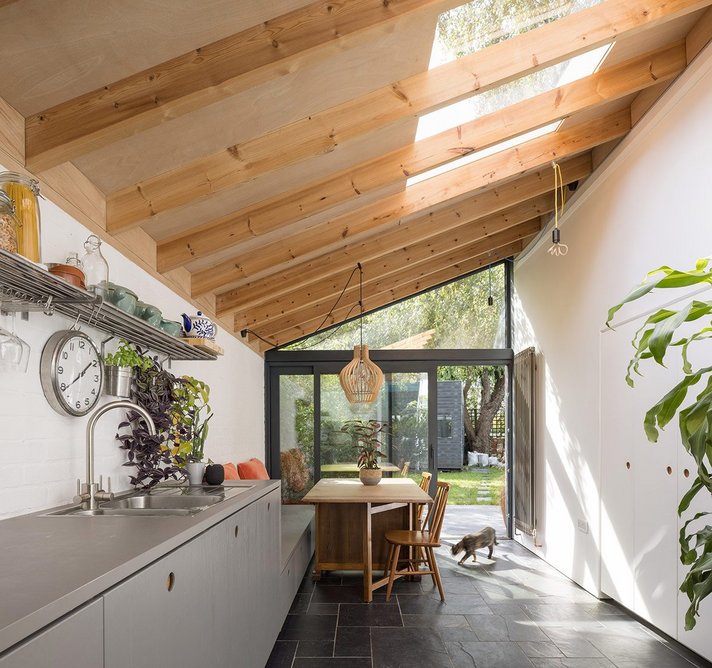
[
  {"x": 402, "y": 404},
  {"x": 472, "y": 445},
  {"x": 296, "y": 435},
  {"x": 456, "y": 315}
]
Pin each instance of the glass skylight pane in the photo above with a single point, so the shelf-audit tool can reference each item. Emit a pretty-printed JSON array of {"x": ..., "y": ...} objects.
[{"x": 478, "y": 155}]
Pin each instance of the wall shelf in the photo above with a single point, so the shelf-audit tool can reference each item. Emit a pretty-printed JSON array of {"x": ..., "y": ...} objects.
[{"x": 24, "y": 286}]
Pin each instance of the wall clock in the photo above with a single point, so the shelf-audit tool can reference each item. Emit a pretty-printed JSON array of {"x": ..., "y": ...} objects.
[{"x": 71, "y": 372}]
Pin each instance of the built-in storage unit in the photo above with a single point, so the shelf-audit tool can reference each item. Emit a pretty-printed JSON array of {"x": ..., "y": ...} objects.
[
  {"x": 296, "y": 553},
  {"x": 76, "y": 640},
  {"x": 641, "y": 485}
]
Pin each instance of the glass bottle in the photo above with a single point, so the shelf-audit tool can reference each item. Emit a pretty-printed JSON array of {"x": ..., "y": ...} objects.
[
  {"x": 73, "y": 260},
  {"x": 8, "y": 224},
  {"x": 24, "y": 192},
  {"x": 96, "y": 270}
]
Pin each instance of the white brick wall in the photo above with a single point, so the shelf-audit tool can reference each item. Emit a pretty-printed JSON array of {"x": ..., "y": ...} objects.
[{"x": 42, "y": 452}]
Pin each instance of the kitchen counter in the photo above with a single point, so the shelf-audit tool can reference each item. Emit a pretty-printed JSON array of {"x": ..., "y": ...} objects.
[{"x": 51, "y": 565}]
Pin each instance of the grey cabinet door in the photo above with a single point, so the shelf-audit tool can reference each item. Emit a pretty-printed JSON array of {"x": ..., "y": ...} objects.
[
  {"x": 76, "y": 641},
  {"x": 170, "y": 613},
  {"x": 253, "y": 579}
]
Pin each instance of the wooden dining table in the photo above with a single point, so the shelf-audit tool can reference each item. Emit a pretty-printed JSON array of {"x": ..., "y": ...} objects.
[
  {"x": 352, "y": 519},
  {"x": 352, "y": 467}
]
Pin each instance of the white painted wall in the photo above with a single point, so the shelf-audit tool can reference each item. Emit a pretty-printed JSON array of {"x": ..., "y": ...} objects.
[
  {"x": 42, "y": 452},
  {"x": 649, "y": 206}
]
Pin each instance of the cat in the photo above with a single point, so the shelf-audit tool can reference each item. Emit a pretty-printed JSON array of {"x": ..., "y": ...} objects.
[{"x": 473, "y": 541}]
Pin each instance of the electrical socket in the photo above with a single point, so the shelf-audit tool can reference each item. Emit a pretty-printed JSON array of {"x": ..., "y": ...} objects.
[{"x": 583, "y": 526}]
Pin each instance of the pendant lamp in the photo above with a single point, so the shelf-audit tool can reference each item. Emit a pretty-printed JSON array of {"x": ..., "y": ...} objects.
[{"x": 361, "y": 379}]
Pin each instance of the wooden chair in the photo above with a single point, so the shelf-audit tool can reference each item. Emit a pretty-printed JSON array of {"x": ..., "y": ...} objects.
[
  {"x": 425, "y": 486},
  {"x": 423, "y": 541},
  {"x": 404, "y": 470}
]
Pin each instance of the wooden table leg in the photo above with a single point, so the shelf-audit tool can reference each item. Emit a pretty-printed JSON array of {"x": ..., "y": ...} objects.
[{"x": 367, "y": 554}]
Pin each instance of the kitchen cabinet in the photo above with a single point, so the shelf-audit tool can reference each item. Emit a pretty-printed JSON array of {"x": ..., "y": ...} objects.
[
  {"x": 253, "y": 551},
  {"x": 170, "y": 613},
  {"x": 76, "y": 640}
]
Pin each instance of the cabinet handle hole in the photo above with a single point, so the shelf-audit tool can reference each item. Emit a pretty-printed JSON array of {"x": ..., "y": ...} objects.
[
  {"x": 237, "y": 530},
  {"x": 269, "y": 505},
  {"x": 627, "y": 465},
  {"x": 669, "y": 470},
  {"x": 686, "y": 473},
  {"x": 170, "y": 581}
]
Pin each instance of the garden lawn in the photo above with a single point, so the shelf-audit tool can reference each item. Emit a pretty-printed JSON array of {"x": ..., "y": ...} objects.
[{"x": 465, "y": 485}]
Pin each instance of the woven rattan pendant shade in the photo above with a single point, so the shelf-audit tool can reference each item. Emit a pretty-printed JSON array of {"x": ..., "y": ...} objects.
[{"x": 361, "y": 379}]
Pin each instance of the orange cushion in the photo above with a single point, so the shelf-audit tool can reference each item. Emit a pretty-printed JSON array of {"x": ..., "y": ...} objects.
[
  {"x": 253, "y": 469},
  {"x": 231, "y": 471}
]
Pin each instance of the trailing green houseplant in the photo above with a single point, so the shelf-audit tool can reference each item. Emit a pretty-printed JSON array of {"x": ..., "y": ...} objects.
[
  {"x": 154, "y": 457},
  {"x": 652, "y": 341},
  {"x": 191, "y": 415}
]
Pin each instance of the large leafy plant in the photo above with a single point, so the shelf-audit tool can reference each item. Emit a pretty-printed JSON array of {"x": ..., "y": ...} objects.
[
  {"x": 652, "y": 341},
  {"x": 365, "y": 437},
  {"x": 153, "y": 456},
  {"x": 191, "y": 415}
]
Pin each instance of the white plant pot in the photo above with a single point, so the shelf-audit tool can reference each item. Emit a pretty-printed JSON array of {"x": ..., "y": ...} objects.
[
  {"x": 196, "y": 471},
  {"x": 370, "y": 476}
]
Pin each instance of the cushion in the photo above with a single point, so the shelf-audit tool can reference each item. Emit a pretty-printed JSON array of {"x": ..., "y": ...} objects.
[
  {"x": 253, "y": 469},
  {"x": 231, "y": 471}
]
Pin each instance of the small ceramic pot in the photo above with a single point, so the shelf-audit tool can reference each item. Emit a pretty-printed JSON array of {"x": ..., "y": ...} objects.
[
  {"x": 69, "y": 274},
  {"x": 151, "y": 314},
  {"x": 171, "y": 327},
  {"x": 370, "y": 476},
  {"x": 196, "y": 471},
  {"x": 123, "y": 298}
]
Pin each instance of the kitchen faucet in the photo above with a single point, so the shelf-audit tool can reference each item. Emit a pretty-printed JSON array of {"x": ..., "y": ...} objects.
[{"x": 92, "y": 491}]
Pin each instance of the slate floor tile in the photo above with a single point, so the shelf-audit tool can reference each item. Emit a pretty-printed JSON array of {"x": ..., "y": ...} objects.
[
  {"x": 416, "y": 647},
  {"x": 332, "y": 663},
  {"x": 338, "y": 594},
  {"x": 323, "y": 609},
  {"x": 369, "y": 614},
  {"x": 439, "y": 621},
  {"x": 300, "y": 604},
  {"x": 466, "y": 604},
  {"x": 353, "y": 641},
  {"x": 308, "y": 627},
  {"x": 315, "y": 648},
  {"x": 282, "y": 654},
  {"x": 540, "y": 649},
  {"x": 456, "y": 633},
  {"x": 487, "y": 655},
  {"x": 638, "y": 652},
  {"x": 573, "y": 663}
]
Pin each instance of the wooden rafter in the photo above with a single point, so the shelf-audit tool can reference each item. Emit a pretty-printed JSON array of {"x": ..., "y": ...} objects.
[
  {"x": 283, "y": 210},
  {"x": 420, "y": 197},
  {"x": 418, "y": 260},
  {"x": 201, "y": 77},
  {"x": 400, "y": 289},
  {"x": 324, "y": 131},
  {"x": 478, "y": 212}
]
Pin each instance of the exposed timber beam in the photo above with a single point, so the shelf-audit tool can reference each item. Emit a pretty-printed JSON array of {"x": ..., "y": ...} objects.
[
  {"x": 401, "y": 290},
  {"x": 199, "y": 78},
  {"x": 422, "y": 196},
  {"x": 283, "y": 210},
  {"x": 418, "y": 260},
  {"x": 418, "y": 229},
  {"x": 324, "y": 131}
]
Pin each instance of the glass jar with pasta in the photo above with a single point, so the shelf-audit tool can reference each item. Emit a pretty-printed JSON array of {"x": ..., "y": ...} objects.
[
  {"x": 24, "y": 192},
  {"x": 8, "y": 224}
]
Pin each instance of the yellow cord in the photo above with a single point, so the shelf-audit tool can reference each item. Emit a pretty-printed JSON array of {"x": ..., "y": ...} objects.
[{"x": 558, "y": 249}]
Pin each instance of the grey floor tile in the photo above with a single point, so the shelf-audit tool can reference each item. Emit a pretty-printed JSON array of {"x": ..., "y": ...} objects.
[
  {"x": 338, "y": 594},
  {"x": 282, "y": 654},
  {"x": 353, "y": 641},
  {"x": 314, "y": 648},
  {"x": 323, "y": 609},
  {"x": 638, "y": 652},
  {"x": 488, "y": 655},
  {"x": 437, "y": 621},
  {"x": 332, "y": 663},
  {"x": 418, "y": 647},
  {"x": 369, "y": 614},
  {"x": 466, "y": 604},
  {"x": 308, "y": 627},
  {"x": 300, "y": 604},
  {"x": 573, "y": 663},
  {"x": 456, "y": 634},
  {"x": 540, "y": 649},
  {"x": 488, "y": 627}
]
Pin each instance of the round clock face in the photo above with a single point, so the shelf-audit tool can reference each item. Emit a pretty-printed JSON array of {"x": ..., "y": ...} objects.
[{"x": 71, "y": 373}]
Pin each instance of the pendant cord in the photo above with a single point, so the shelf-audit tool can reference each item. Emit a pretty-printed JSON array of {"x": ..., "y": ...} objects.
[
  {"x": 360, "y": 302},
  {"x": 557, "y": 248}
]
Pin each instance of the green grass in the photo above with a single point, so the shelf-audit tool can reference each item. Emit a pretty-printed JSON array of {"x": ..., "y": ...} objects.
[{"x": 464, "y": 486}]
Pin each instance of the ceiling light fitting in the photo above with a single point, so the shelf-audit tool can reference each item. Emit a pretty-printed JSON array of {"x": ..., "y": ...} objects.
[
  {"x": 361, "y": 379},
  {"x": 557, "y": 249}
]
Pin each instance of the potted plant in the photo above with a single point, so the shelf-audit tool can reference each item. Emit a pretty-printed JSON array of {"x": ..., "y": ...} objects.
[
  {"x": 365, "y": 440},
  {"x": 192, "y": 414},
  {"x": 119, "y": 369},
  {"x": 153, "y": 457}
]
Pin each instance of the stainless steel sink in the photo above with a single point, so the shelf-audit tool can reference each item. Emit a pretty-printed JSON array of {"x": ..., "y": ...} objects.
[{"x": 160, "y": 502}]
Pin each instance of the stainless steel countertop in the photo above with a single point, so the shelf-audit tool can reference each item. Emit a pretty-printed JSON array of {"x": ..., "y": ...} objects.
[{"x": 51, "y": 565}]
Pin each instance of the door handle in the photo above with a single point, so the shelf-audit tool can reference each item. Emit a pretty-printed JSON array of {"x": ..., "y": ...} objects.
[{"x": 430, "y": 454}]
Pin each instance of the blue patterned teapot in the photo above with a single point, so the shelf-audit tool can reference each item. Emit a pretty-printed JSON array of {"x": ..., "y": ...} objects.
[{"x": 199, "y": 326}]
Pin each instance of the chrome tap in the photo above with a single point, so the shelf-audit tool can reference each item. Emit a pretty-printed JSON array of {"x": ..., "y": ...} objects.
[{"x": 92, "y": 491}]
